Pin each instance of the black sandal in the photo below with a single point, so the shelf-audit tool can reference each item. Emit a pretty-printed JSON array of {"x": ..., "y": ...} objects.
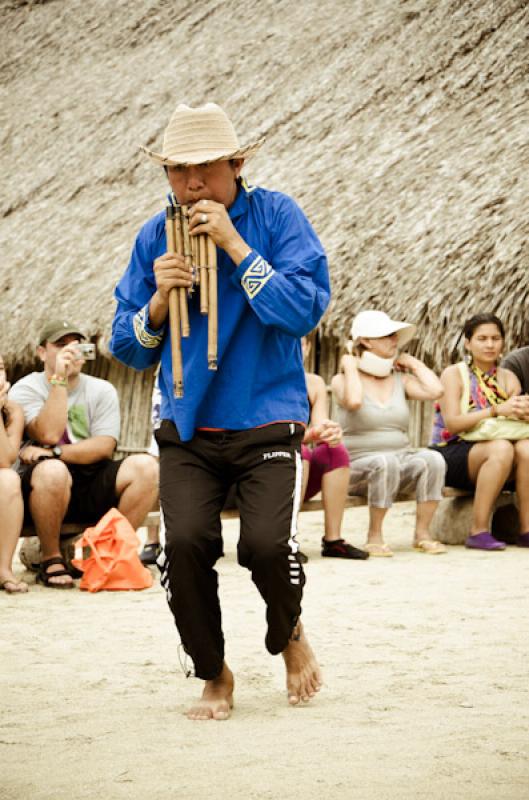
[
  {"x": 150, "y": 553},
  {"x": 43, "y": 576}
]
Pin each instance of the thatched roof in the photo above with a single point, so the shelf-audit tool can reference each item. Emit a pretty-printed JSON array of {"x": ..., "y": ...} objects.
[{"x": 401, "y": 127}]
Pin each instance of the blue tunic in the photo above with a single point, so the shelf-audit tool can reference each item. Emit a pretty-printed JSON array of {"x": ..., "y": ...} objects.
[{"x": 275, "y": 296}]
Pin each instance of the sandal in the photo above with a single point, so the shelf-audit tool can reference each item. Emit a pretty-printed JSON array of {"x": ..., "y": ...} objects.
[
  {"x": 150, "y": 553},
  {"x": 378, "y": 550},
  {"x": 523, "y": 540},
  {"x": 19, "y": 587},
  {"x": 431, "y": 546},
  {"x": 44, "y": 577}
]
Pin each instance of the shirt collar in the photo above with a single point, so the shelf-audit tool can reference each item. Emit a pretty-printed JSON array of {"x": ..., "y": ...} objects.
[{"x": 240, "y": 204}]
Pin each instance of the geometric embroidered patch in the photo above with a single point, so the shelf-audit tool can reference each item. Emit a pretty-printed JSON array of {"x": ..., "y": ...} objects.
[
  {"x": 143, "y": 336},
  {"x": 256, "y": 276}
]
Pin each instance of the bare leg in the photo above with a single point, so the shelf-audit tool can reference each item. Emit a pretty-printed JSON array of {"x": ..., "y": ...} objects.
[
  {"x": 334, "y": 488},
  {"x": 425, "y": 512},
  {"x": 304, "y": 678},
  {"x": 217, "y": 698},
  {"x": 48, "y": 502},
  {"x": 376, "y": 518},
  {"x": 153, "y": 536},
  {"x": 137, "y": 487},
  {"x": 423, "y": 540},
  {"x": 489, "y": 466},
  {"x": 11, "y": 518},
  {"x": 305, "y": 478},
  {"x": 521, "y": 455},
  {"x": 375, "y": 541}
]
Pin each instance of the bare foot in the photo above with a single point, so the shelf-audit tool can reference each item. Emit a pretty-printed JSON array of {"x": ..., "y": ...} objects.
[
  {"x": 304, "y": 678},
  {"x": 217, "y": 698}
]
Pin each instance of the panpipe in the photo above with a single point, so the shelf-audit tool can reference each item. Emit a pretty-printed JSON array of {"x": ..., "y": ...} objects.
[{"x": 200, "y": 256}]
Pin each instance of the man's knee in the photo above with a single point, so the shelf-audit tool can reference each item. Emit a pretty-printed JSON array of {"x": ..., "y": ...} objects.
[
  {"x": 259, "y": 548},
  {"x": 50, "y": 477},
  {"x": 192, "y": 541},
  {"x": 140, "y": 469},
  {"x": 9, "y": 485}
]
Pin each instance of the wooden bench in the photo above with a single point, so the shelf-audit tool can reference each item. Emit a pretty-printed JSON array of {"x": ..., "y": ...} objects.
[{"x": 450, "y": 524}]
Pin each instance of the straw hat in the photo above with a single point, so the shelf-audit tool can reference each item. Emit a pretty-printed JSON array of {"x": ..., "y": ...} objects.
[
  {"x": 375, "y": 324},
  {"x": 199, "y": 135}
]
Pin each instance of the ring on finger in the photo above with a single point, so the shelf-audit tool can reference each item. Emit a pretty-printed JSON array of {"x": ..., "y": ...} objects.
[{"x": 203, "y": 218}]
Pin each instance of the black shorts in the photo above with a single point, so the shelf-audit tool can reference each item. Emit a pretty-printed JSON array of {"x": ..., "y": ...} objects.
[
  {"x": 455, "y": 453},
  {"x": 93, "y": 490}
]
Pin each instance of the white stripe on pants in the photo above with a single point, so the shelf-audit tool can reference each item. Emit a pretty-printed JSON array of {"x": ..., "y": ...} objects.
[{"x": 381, "y": 476}]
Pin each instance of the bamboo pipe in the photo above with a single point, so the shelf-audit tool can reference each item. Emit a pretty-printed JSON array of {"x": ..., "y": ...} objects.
[
  {"x": 174, "y": 311},
  {"x": 188, "y": 251},
  {"x": 182, "y": 294},
  {"x": 202, "y": 263},
  {"x": 213, "y": 304}
]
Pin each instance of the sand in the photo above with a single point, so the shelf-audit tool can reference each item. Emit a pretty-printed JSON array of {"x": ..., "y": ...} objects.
[{"x": 425, "y": 661}]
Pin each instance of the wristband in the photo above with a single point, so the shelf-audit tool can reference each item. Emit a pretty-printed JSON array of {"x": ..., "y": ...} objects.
[{"x": 55, "y": 380}]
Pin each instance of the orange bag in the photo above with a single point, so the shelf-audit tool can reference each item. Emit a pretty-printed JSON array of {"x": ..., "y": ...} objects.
[{"x": 112, "y": 561}]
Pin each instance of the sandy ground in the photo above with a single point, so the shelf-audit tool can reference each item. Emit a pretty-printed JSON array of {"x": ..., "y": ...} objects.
[{"x": 426, "y": 694}]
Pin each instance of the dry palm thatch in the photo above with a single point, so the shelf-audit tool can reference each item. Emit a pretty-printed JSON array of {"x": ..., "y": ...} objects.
[{"x": 401, "y": 128}]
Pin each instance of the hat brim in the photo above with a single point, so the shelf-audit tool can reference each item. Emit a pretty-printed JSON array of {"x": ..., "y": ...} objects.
[
  {"x": 203, "y": 156},
  {"x": 406, "y": 333},
  {"x": 60, "y": 334},
  {"x": 404, "y": 330}
]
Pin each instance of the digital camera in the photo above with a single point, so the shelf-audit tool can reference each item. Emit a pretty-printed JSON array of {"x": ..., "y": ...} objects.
[{"x": 87, "y": 350}]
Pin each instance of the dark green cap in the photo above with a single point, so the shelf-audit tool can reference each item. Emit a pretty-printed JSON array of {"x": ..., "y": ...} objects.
[{"x": 55, "y": 329}]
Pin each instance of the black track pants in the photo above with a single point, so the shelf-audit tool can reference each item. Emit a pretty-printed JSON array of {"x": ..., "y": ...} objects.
[{"x": 265, "y": 466}]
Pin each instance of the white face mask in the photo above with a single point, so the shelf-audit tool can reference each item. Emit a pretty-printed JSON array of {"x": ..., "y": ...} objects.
[{"x": 375, "y": 365}]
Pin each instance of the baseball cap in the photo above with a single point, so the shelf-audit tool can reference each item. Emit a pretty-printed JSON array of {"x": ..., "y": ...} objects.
[
  {"x": 55, "y": 329},
  {"x": 375, "y": 324}
]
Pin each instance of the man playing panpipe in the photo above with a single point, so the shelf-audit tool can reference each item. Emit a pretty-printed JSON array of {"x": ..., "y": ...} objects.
[{"x": 242, "y": 423}]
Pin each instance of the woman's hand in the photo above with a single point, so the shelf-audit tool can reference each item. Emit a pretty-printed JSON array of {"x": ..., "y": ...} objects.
[
  {"x": 327, "y": 431},
  {"x": 348, "y": 362},
  {"x": 516, "y": 407},
  {"x": 406, "y": 363}
]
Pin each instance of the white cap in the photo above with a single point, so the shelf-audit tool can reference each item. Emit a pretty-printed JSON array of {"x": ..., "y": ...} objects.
[{"x": 375, "y": 324}]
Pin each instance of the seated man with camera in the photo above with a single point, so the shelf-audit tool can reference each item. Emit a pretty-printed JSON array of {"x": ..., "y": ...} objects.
[{"x": 72, "y": 428}]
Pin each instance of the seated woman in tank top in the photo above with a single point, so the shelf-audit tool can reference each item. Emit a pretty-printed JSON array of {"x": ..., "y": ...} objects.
[
  {"x": 372, "y": 391},
  {"x": 476, "y": 390}
]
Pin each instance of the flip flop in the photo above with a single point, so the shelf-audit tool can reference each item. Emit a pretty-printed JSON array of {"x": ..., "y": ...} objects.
[
  {"x": 378, "y": 550},
  {"x": 431, "y": 546},
  {"x": 20, "y": 587}
]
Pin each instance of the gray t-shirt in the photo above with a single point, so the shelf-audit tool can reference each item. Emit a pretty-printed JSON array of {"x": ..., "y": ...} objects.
[
  {"x": 93, "y": 406},
  {"x": 518, "y": 362}
]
